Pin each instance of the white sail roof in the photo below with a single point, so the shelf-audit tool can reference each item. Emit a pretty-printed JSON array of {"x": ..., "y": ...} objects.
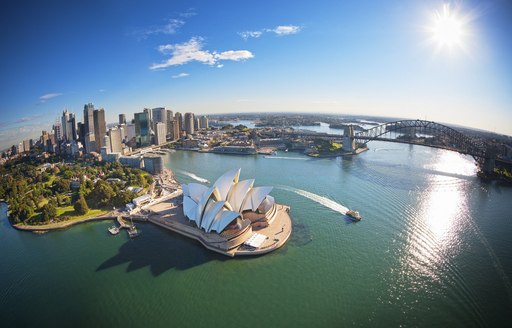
[
  {"x": 254, "y": 198},
  {"x": 184, "y": 187},
  {"x": 212, "y": 209},
  {"x": 238, "y": 192},
  {"x": 209, "y": 214},
  {"x": 222, "y": 219},
  {"x": 196, "y": 191},
  {"x": 211, "y": 192},
  {"x": 225, "y": 181},
  {"x": 189, "y": 208}
]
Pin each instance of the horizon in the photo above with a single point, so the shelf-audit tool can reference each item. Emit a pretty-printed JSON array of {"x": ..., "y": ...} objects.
[{"x": 445, "y": 61}]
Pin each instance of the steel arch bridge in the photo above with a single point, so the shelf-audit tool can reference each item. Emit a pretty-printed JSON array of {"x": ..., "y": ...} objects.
[{"x": 444, "y": 137}]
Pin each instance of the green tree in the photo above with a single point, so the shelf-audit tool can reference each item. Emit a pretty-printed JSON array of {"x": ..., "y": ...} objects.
[
  {"x": 49, "y": 212},
  {"x": 81, "y": 205},
  {"x": 101, "y": 195},
  {"x": 25, "y": 212}
]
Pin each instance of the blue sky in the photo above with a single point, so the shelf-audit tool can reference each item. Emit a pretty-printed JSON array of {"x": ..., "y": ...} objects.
[{"x": 347, "y": 57}]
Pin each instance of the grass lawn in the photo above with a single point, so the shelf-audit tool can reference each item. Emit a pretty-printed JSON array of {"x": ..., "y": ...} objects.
[{"x": 70, "y": 211}]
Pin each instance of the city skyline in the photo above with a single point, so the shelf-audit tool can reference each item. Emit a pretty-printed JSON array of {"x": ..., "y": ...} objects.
[{"x": 386, "y": 59}]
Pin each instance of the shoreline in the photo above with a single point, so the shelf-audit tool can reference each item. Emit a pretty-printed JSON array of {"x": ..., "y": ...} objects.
[{"x": 63, "y": 224}]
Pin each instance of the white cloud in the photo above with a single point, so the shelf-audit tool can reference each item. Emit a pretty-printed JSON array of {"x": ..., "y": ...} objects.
[
  {"x": 192, "y": 50},
  {"x": 280, "y": 30},
  {"x": 48, "y": 96},
  {"x": 171, "y": 26},
  {"x": 177, "y": 76},
  {"x": 235, "y": 55},
  {"x": 250, "y": 34},
  {"x": 286, "y": 29}
]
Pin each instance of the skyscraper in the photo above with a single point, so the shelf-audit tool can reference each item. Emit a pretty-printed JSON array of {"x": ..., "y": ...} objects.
[
  {"x": 169, "y": 119},
  {"x": 68, "y": 125},
  {"x": 189, "y": 123},
  {"x": 100, "y": 128},
  {"x": 88, "y": 130},
  {"x": 142, "y": 129},
  {"x": 179, "y": 120},
  {"x": 160, "y": 133},
  {"x": 115, "y": 140},
  {"x": 122, "y": 119},
  {"x": 204, "y": 122},
  {"x": 159, "y": 115},
  {"x": 57, "y": 130}
]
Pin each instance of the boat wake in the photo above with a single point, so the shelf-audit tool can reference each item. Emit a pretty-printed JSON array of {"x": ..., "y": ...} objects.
[
  {"x": 319, "y": 199},
  {"x": 195, "y": 177},
  {"x": 283, "y": 157}
]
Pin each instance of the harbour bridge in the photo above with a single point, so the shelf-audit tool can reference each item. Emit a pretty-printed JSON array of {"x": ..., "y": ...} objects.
[{"x": 418, "y": 132}]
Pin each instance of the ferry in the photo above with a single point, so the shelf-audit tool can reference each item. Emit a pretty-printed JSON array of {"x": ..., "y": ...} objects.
[
  {"x": 354, "y": 215},
  {"x": 113, "y": 230}
]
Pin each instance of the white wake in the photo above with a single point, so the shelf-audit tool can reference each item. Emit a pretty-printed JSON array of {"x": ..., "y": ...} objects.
[
  {"x": 319, "y": 199},
  {"x": 195, "y": 177}
]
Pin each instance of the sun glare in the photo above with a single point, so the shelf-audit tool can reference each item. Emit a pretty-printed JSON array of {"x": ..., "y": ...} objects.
[{"x": 448, "y": 28}]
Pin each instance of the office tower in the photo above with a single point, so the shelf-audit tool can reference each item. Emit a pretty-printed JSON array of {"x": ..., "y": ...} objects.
[
  {"x": 142, "y": 129},
  {"x": 26, "y": 145},
  {"x": 189, "y": 123},
  {"x": 204, "y": 122},
  {"x": 71, "y": 128},
  {"x": 122, "y": 119},
  {"x": 197, "y": 125},
  {"x": 179, "y": 119},
  {"x": 88, "y": 133},
  {"x": 175, "y": 130},
  {"x": 80, "y": 130},
  {"x": 100, "y": 128},
  {"x": 57, "y": 130},
  {"x": 160, "y": 133},
  {"x": 149, "y": 113},
  {"x": 115, "y": 140},
  {"x": 169, "y": 118},
  {"x": 159, "y": 115}
]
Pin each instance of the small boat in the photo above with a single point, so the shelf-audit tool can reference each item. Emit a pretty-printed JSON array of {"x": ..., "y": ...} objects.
[
  {"x": 354, "y": 215},
  {"x": 113, "y": 230}
]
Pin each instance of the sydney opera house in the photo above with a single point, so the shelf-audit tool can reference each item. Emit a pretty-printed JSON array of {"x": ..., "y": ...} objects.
[{"x": 231, "y": 217}]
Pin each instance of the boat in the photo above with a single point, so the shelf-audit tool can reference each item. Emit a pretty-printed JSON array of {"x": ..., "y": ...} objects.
[
  {"x": 113, "y": 230},
  {"x": 354, "y": 215}
]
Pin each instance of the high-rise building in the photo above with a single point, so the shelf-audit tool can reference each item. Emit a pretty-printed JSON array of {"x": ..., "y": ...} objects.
[
  {"x": 26, "y": 145},
  {"x": 57, "y": 130},
  {"x": 175, "y": 130},
  {"x": 159, "y": 115},
  {"x": 189, "y": 123},
  {"x": 115, "y": 140},
  {"x": 142, "y": 129},
  {"x": 150, "y": 116},
  {"x": 68, "y": 125},
  {"x": 122, "y": 119},
  {"x": 160, "y": 133},
  {"x": 169, "y": 119},
  {"x": 88, "y": 130},
  {"x": 179, "y": 120},
  {"x": 64, "y": 122},
  {"x": 100, "y": 128},
  {"x": 197, "y": 125},
  {"x": 203, "y": 122}
]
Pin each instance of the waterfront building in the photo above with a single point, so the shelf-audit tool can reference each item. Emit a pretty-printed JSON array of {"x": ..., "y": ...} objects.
[
  {"x": 142, "y": 129},
  {"x": 189, "y": 123},
  {"x": 175, "y": 134},
  {"x": 197, "y": 125},
  {"x": 122, "y": 119},
  {"x": 153, "y": 164},
  {"x": 160, "y": 133},
  {"x": 100, "y": 127},
  {"x": 203, "y": 120}
]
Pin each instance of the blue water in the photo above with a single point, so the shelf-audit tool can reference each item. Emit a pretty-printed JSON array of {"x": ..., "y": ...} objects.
[{"x": 433, "y": 249}]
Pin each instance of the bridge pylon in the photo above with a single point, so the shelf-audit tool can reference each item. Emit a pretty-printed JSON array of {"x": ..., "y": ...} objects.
[{"x": 349, "y": 143}]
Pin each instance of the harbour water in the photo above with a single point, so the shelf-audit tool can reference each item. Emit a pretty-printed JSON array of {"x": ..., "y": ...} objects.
[{"x": 433, "y": 249}]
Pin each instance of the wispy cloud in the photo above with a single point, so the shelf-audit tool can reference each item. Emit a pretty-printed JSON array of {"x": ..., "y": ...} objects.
[
  {"x": 102, "y": 90},
  {"x": 280, "y": 30},
  {"x": 171, "y": 26},
  {"x": 177, "y": 76},
  {"x": 48, "y": 96},
  {"x": 192, "y": 50}
]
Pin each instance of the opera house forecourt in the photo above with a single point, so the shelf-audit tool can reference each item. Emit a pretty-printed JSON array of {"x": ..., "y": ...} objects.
[{"x": 231, "y": 217}]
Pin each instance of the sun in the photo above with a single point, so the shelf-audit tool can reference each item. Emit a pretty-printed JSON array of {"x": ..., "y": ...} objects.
[{"x": 448, "y": 29}]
